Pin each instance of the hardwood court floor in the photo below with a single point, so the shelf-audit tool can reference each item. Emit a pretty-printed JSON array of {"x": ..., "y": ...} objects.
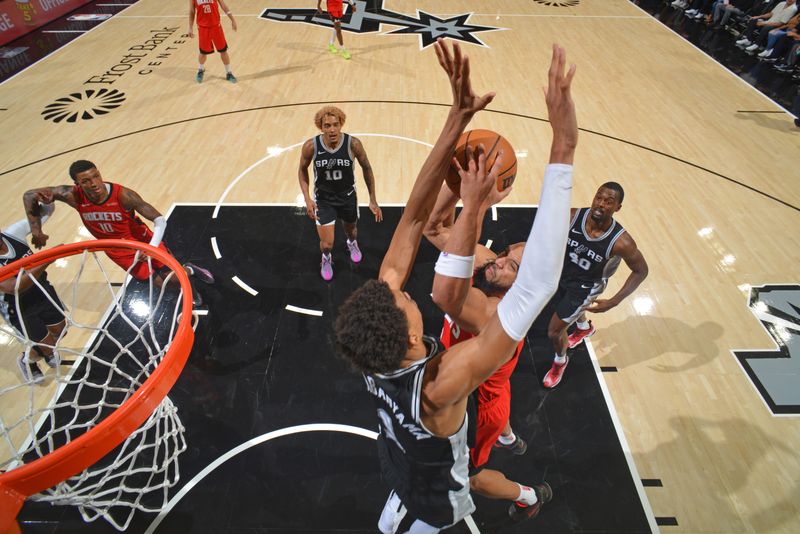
[{"x": 711, "y": 194}]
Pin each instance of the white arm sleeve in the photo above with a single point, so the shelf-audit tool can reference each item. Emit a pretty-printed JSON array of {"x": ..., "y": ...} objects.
[
  {"x": 543, "y": 258},
  {"x": 159, "y": 226},
  {"x": 21, "y": 228}
]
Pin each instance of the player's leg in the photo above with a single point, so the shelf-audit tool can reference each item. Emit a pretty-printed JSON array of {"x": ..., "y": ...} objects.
[
  {"x": 206, "y": 48},
  {"x": 573, "y": 301},
  {"x": 557, "y": 332},
  {"x": 337, "y": 24},
  {"x": 395, "y": 518},
  {"x": 348, "y": 214},
  {"x": 583, "y": 329},
  {"x": 221, "y": 44},
  {"x": 326, "y": 225}
]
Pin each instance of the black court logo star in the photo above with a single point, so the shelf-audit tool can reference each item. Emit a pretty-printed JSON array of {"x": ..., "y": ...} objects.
[
  {"x": 558, "y": 3},
  {"x": 370, "y": 15},
  {"x": 83, "y": 106}
]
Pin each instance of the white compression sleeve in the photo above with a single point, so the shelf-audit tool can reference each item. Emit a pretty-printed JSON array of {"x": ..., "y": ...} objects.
[
  {"x": 159, "y": 226},
  {"x": 21, "y": 228},
  {"x": 543, "y": 258}
]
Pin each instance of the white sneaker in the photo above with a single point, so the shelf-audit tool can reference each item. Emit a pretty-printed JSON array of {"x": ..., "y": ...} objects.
[
  {"x": 744, "y": 41},
  {"x": 752, "y": 48},
  {"x": 30, "y": 371},
  {"x": 698, "y": 16},
  {"x": 766, "y": 53},
  {"x": 690, "y": 12}
]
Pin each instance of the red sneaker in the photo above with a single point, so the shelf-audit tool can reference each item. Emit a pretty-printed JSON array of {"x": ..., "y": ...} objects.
[
  {"x": 521, "y": 512},
  {"x": 578, "y": 335},
  {"x": 554, "y": 375}
]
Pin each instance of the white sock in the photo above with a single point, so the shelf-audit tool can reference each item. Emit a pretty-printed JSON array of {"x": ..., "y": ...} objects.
[
  {"x": 560, "y": 359},
  {"x": 228, "y": 68},
  {"x": 202, "y": 67},
  {"x": 507, "y": 440},
  {"x": 333, "y": 36},
  {"x": 583, "y": 326},
  {"x": 326, "y": 255},
  {"x": 188, "y": 270},
  {"x": 349, "y": 242},
  {"x": 526, "y": 495}
]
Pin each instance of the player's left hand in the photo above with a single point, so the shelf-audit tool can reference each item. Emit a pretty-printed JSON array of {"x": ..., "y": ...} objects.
[
  {"x": 233, "y": 24},
  {"x": 476, "y": 183},
  {"x": 601, "y": 305},
  {"x": 376, "y": 211}
]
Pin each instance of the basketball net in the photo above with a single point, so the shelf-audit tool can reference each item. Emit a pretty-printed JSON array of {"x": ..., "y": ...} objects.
[{"x": 98, "y": 432}]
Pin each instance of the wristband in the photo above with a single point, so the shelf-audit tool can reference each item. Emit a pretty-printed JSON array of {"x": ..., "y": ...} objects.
[{"x": 455, "y": 266}]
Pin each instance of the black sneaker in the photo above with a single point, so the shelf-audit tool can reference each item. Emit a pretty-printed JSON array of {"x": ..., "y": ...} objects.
[
  {"x": 30, "y": 371},
  {"x": 518, "y": 446},
  {"x": 521, "y": 512},
  {"x": 204, "y": 275},
  {"x": 52, "y": 360},
  {"x": 231, "y": 78},
  {"x": 199, "y": 76}
]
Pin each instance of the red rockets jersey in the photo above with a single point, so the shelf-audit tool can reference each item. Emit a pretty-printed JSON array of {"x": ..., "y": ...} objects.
[
  {"x": 109, "y": 219},
  {"x": 207, "y": 13}
]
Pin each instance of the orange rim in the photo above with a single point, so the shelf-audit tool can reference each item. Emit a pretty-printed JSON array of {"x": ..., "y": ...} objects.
[{"x": 19, "y": 483}]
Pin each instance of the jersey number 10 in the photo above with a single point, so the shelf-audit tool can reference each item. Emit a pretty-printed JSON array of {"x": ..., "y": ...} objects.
[
  {"x": 335, "y": 175},
  {"x": 106, "y": 227}
]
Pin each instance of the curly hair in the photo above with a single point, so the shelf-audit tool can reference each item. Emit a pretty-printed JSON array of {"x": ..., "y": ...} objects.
[
  {"x": 329, "y": 110},
  {"x": 371, "y": 331}
]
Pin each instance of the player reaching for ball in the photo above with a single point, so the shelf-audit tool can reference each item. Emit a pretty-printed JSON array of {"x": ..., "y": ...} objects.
[{"x": 420, "y": 391}]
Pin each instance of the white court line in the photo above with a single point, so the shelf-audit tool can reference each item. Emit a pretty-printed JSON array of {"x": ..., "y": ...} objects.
[
  {"x": 306, "y": 311},
  {"x": 215, "y": 248},
  {"x": 100, "y": 23},
  {"x": 473, "y": 528},
  {"x": 64, "y": 31},
  {"x": 752, "y": 87},
  {"x": 489, "y": 243},
  {"x": 494, "y": 213},
  {"x": 316, "y": 427},
  {"x": 637, "y": 480},
  {"x": 244, "y": 286},
  {"x": 231, "y": 185}
]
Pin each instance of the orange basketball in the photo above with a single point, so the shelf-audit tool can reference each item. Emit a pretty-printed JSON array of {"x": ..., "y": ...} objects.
[{"x": 493, "y": 142}]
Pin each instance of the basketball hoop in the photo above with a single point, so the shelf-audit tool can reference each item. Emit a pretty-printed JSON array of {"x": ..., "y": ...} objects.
[{"x": 117, "y": 451}]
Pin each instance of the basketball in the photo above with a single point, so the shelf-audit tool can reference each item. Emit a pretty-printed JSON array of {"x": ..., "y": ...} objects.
[{"x": 493, "y": 142}]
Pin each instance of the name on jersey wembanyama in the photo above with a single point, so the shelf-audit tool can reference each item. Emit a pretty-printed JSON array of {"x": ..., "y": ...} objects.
[
  {"x": 102, "y": 216},
  {"x": 331, "y": 163},
  {"x": 412, "y": 428},
  {"x": 583, "y": 249}
]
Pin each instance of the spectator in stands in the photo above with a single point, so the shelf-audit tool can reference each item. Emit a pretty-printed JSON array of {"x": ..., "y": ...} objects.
[
  {"x": 779, "y": 16},
  {"x": 776, "y": 35},
  {"x": 723, "y": 10},
  {"x": 790, "y": 42}
]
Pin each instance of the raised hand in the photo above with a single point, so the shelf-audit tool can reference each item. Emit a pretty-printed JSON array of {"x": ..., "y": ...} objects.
[
  {"x": 561, "y": 108},
  {"x": 457, "y": 68},
  {"x": 476, "y": 183}
]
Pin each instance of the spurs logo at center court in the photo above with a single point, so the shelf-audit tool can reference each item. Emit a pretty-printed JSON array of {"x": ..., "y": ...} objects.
[{"x": 370, "y": 15}]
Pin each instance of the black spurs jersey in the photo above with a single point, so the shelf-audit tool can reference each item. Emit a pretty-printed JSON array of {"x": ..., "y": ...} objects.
[
  {"x": 333, "y": 168},
  {"x": 589, "y": 259},
  {"x": 428, "y": 473},
  {"x": 17, "y": 248}
]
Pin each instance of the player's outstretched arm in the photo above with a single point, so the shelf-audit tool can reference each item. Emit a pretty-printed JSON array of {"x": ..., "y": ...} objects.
[
  {"x": 131, "y": 200},
  {"x": 306, "y": 154},
  {"x": 402, "y": 251},
  {"x": 369, "y": 177},
  {"x": 466, "y": 365},
  {"x": 34, "y": 198}
]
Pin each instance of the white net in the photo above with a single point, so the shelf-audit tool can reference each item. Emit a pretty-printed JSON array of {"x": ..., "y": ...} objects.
[{"x": 58, "y": 392}]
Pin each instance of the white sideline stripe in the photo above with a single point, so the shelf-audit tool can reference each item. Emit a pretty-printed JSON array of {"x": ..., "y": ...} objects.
[
  {"x": 637, "y": 480},
  {"x": 113, "y": 5},
  {"x": 752, "y": 87},
  {"x": 494, "y": 213},
  {"x": 473, "y": 528},
  {"x": 64, "y": 31},
  {"x": 215, "y": 248},
  {"x": 489, "y": 243},
  {"x": 299, "y": 429},
  {"x": 59, "y": 48},
  {"x": 303, "y": 310},
  {"x": 244, "y": 286}
]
